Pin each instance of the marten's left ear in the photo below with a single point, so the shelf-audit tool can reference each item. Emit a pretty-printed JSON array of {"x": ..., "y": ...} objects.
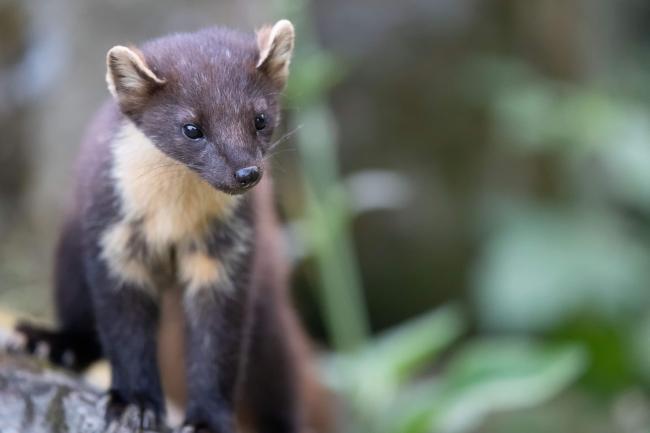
[
  {"x": 129, "y": 78},
  {"x": 275, "y": 46}
]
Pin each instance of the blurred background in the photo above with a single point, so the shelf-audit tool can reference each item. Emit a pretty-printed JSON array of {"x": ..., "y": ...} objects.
[{"x": 465, "y": 185}]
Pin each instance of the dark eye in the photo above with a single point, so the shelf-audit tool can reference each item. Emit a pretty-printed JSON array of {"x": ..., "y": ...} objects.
[
  {"x": 192, "y": 131},
  {"x": 260, "y": 122}
]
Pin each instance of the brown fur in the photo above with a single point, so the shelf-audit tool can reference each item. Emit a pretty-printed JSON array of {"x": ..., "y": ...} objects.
[
  {"x": 171, "y": 348},
  {"x": 170, "y": 262}
]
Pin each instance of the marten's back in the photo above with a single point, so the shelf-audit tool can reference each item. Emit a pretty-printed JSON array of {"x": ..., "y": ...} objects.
[{"x": 92, "y": 182}]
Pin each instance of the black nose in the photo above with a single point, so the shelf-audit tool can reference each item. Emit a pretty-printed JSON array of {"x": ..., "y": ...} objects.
[{"x": 248, "y": 176}]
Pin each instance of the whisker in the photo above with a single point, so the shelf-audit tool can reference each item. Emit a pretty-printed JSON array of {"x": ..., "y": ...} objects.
[
  {"x": 286, "y": 136},
  {"x": 276, "y": 152},
  {"x": 275, "y": 94}
]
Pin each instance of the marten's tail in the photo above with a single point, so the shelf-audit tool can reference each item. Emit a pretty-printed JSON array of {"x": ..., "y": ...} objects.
[
  {"x": 69, "y": 349},
  {"x": 281, "y": 389}
]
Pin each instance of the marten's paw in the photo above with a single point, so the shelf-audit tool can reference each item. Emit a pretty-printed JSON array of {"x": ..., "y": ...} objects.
[
  {"x": 194, "y": 429},
  {"x": 122, "y": 417},
  {"x": 66, "y": 349},
  {"x": 12, "y": 341},
  {"x": 41, "y": 343},
  {"x": 207, "y": 420}
]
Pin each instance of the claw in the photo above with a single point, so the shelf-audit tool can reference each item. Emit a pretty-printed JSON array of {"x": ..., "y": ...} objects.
[
  {"x": 132, "y": 417},
  {"x": 113, "y": 427},
  {"x": 189, "y": 428},
  {"x": 149, "y": 419},
  {"x": 123, "y": 417},
  {"x": 42, "y": 350}
]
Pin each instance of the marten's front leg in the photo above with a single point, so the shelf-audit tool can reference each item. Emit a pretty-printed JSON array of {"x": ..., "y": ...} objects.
[
  {"x": 215, "y": 309},
  {"x": 127, "y": 318}
]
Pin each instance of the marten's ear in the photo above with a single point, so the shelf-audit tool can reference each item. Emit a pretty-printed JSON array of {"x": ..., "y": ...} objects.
[
  {"x": 129, "y": 78},
  {"x": 275, "y": 45}
]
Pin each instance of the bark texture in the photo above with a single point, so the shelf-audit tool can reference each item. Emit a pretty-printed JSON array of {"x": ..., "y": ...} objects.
[{"x": 34, "y": 398}]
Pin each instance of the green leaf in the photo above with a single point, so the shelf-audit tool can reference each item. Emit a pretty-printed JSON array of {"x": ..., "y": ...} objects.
[
  {"x": 543, "y": 265},
  {"x": 486, "y": 376},
  {"x": 501, "y": 374},
  {"x": 403, "y": 351},
  {"x": 370, "y": 378}
]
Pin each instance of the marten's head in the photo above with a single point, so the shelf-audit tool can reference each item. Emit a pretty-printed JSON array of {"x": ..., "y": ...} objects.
[{"x": 207, "y": 99}]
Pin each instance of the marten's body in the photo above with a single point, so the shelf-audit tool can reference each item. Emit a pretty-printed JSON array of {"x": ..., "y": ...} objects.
[{"x": 165, "y": 249}]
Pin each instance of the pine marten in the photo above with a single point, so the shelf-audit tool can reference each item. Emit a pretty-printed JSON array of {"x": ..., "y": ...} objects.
[{"x": 172, "y": 236}]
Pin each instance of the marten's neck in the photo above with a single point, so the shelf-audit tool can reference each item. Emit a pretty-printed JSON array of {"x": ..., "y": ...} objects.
[{"x": 172, "y": 202}]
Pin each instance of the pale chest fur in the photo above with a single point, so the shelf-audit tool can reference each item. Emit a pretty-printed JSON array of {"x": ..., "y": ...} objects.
[{"x": 163, "y": 204}]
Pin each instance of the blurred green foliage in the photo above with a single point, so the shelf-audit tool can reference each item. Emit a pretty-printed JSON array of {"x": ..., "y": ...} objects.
[
  {"x": 389, "y": 386},
  {"x": 574, "y": 265},
  {"x": 560, "y": 283}
]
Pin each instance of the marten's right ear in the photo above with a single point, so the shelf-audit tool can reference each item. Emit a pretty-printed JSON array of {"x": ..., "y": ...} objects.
[{"x": 129, "y": 78}]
